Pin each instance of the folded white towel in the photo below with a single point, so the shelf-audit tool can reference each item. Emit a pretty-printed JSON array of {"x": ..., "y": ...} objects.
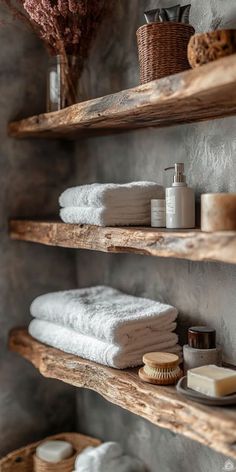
[
  {"x": 72, "y": 342},
  {"x": 111, "y": 195},
  {"x": 107, "y": 314},
  {"x": 108, "y": 457},
  {"x": 106, "y": 216}
]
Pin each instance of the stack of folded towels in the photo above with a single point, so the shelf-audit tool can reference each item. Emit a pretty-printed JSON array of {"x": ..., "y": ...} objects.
[
  {"x": 104, "y": 325},
  {"x": 109, "y": 457},
  {"x": 110, "y": 204}
]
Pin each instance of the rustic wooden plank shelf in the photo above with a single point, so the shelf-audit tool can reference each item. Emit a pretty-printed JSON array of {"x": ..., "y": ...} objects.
[
  {"x": 186, "y": 244},
  {"x": 201, "y": 94},
  {"x": 162, "y": 406}
]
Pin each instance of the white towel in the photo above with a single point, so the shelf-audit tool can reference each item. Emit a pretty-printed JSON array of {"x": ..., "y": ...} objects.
[
  {"x": 108, "y": 457},
  {"x": 70, "y": 341},
  {"x": 105, "y": 452},
  {"x": 107, "y": 314},
  {"x": 106, "y": 216},
  {"x": 134, "y": 194}
]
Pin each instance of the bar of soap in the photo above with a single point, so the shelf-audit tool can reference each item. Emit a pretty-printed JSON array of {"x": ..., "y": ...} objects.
[
  {"x": 54, "y": 451},
  {"x": 212, "y": 380}
]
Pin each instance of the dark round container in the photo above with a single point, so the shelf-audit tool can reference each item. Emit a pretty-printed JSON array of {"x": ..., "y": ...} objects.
[{"x": 202, "y": 337}]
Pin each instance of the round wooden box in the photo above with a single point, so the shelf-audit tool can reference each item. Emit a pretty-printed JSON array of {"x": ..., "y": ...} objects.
[{"x": 218, "y": 212}]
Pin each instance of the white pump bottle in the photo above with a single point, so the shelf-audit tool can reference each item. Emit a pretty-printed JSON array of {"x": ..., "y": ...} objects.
[{"x": 180, "y": 201}]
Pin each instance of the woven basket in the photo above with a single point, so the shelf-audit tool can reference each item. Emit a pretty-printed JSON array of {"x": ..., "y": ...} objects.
[
  {"x": 22, "y": 460},
  {"x": 162, "y": 49}
]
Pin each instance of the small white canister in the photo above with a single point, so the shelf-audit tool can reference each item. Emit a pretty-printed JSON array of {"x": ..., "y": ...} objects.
[{"x": 158, "y": 213}]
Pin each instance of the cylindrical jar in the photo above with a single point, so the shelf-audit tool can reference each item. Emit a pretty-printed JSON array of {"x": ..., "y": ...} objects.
[
  {"x": 201, "y": 348},
  {"x": 218, "y": 212},
  {"x": 180, "y": 207},
  {"x": 158, "y": 213}
]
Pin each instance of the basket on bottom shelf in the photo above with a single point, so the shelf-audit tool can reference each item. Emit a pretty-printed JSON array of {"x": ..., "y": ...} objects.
[
  {"x": 66, "y": 465},
  {"x": 22, "y": 460}
]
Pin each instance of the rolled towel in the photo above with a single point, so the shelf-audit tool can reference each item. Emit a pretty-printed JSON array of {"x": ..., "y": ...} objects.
[
  {"x": 106, "y": 452},
  {"x": 107, "y": 314},
  {"x": 72, "y": 342},
  {"x": 105, "y": 216},
  {"x": 108, "y": 457},
  {"x": 124, "y": 463},
  {"x": 111, "y": 195}
]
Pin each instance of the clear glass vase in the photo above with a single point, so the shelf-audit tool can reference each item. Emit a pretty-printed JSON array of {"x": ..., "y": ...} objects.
[{"x": 62, "y": 82}]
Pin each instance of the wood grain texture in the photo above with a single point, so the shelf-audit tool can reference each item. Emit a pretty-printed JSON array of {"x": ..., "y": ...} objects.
[
  {"x": 163, "y": 406},
  {"x": 183, "y": 244},
  {"x": 195, "y": 95}
]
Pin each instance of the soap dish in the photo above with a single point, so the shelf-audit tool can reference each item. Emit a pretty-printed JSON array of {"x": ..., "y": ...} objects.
[{"x": 182, "y": 388}]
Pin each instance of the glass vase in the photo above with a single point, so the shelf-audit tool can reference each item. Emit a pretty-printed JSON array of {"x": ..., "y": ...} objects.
[{"x": 62, "y": 82}]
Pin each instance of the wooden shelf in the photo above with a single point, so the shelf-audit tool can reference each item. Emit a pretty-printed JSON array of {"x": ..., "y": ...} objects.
[
  {"x": 162, "y": 406},
  {"x": 186, "y": 244},
  {"x": 201, "y": 94}
]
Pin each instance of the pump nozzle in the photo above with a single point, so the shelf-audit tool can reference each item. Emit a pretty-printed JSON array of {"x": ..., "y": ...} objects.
[{"x": 179, "y": 172}]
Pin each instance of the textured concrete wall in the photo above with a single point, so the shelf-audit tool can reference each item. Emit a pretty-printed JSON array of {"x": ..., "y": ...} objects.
[
  {"x": 32, "y": 173},
  {"x": 202, "y": 292}
]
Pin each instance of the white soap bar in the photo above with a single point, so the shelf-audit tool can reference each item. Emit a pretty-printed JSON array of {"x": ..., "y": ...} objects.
[
  {"x": 212, "y": 380},
  {"x": 54, "y": 451}
]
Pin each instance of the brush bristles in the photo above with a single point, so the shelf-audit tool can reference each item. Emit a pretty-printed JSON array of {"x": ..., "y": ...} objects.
[{"x": 162, "y": 374}]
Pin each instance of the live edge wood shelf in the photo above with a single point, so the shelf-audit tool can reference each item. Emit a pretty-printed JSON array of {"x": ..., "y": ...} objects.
[
  {"x": 162, "y": 406},
  {"x": 186, "y": 244},
  {"x": 204, "y": 93}
]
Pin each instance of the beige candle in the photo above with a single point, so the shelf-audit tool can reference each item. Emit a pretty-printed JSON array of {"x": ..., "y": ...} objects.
[{"x": 218, "y": 212}]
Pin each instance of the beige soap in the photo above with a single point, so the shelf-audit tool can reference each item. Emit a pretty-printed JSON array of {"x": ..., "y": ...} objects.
[{"x": 212, "y": 380}]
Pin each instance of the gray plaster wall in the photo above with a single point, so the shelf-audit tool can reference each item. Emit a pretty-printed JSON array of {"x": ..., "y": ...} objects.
[
  {"x": 32, "y": 174},
  {"x": 202, "y": 292}
]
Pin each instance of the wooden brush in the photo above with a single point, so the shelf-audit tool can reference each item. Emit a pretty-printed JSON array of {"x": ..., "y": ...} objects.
[{"x": 160, "y": 368}]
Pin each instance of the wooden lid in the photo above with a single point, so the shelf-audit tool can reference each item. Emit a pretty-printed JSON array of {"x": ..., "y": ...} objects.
[{"x": 161, "y": 359}]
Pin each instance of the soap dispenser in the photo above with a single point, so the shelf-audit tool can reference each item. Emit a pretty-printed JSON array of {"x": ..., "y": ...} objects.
[{"x": 180, "y": 201}]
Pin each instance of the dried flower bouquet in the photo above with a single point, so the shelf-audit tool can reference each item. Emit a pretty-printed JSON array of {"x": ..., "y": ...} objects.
[{"x": 67, "y": 27}]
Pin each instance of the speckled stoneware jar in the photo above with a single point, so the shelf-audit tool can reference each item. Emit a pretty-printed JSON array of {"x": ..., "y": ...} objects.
[{"x": 201, "y": 348}]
